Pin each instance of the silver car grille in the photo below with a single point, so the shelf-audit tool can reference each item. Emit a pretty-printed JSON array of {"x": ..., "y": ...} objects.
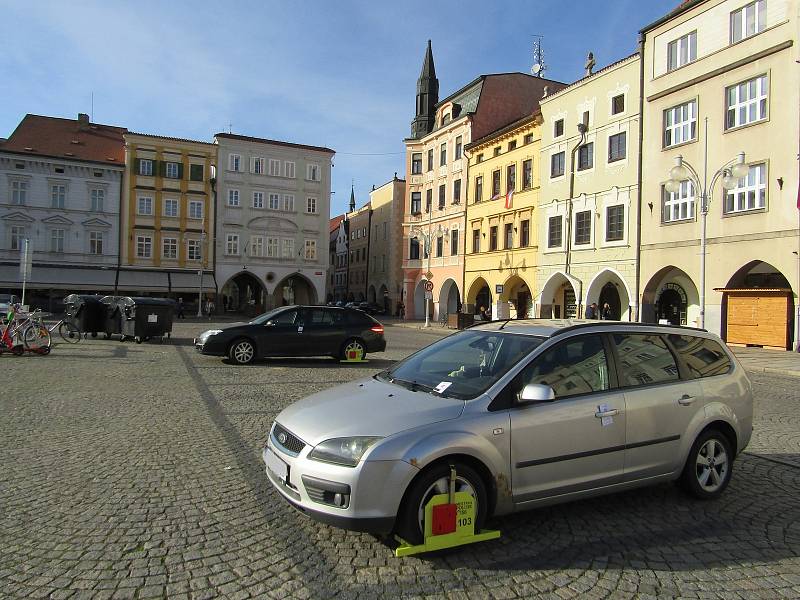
[{"x": 286, "y": 440}]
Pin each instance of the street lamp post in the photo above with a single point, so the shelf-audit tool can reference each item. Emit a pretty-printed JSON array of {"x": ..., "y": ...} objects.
[
  {"x": 202, "y": 254},
  {"x": 730, "y": 172}
]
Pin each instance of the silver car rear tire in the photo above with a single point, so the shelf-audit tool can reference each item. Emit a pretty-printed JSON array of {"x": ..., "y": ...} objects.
[
  {"x": 242, "y": 352},
  {"x": 709, "y": 465}
]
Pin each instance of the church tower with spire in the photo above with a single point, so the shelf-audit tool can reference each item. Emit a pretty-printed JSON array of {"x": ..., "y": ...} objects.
[
  {"x": 427, "y": 97},
  {"x": 352, "y": 199}
]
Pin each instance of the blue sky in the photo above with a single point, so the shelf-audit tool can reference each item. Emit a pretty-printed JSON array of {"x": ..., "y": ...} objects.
[{"x": 338, "y": 74}]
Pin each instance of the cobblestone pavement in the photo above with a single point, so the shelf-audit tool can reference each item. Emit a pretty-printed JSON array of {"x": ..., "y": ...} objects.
[{"x": 134, "y": 471}]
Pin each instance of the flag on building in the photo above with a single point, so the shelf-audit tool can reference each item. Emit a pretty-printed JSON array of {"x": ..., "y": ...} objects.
[
  {"x": 495, "y": 197},
  {"x": 509, "y": 198}
]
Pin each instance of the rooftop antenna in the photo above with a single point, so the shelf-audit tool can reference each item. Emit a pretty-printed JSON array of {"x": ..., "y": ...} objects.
[
  {"x": 91, "y": 114},
  {"x": 230, "y": 125},
  {"x": 539, "y": 67}
]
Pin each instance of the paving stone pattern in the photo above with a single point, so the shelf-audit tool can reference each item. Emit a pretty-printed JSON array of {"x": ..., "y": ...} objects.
[{"x": 134, "y": 471}]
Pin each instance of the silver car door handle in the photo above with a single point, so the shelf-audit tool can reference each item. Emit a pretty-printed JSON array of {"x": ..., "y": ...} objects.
[
  {"x": 685, "y": 400},
  {"x": 607, "y": 413}
]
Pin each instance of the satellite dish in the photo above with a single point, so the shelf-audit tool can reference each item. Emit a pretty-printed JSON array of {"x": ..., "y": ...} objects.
[{"x": 535, "y": 69}]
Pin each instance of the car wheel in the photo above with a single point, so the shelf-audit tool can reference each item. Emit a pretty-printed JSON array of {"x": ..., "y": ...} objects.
[
  {"x": 351, "y": 345},
  {"x": 709, "y": 465},
  {"x": 435, "y": 480},
  {"x": 242, "y": 352}
]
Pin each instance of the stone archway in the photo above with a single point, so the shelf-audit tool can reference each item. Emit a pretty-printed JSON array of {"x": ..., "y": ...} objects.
[
  {"x": 559, "y": 297},
  {"x": 244, "y": 293},
  {"x": 371, "y": 294},
  {"x": 480, "y": 297},
  {"x": 294, "y": 289},
  {"x": 419, "y": 301},
  {"x": 671, "y": 297},
  {"x": 449, "y": 298},
  {"x": 608, "y": 286},
  {"x": 517, "y": 293}
]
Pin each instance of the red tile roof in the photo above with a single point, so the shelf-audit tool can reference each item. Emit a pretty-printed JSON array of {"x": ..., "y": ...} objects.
[
  {"x": 67, "y": 139},
  {"x": 335, "y": 221}
]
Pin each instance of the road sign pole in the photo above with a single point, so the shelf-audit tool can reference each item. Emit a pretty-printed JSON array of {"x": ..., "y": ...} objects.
[{"x": 24, "y": 266}]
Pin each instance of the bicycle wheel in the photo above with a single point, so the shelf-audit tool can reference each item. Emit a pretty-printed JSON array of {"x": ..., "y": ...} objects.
[
  {"x": 36, "y": 337},
  {"x": 69, "y": 333}
]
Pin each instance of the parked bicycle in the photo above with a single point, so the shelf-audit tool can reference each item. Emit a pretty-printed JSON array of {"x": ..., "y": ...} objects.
[
  {"x": 28, "y": 328},
  {"x": 66, "y": 329}
]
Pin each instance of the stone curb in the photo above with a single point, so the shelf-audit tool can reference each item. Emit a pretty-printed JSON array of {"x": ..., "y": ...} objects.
[{"x": 772, "y": 371}]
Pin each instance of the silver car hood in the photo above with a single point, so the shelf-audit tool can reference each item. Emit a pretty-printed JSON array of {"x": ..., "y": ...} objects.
[{"x": 365, "y": 407}]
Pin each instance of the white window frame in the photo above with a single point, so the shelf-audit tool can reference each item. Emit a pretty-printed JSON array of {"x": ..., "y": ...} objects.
[
  {"x": 146, "y": 167},
  {"x": 678, "y": 206},
  {"x": 57, "y": 237},
  {"x": 144, "y": 246},
  {"x": 310, "y": 250},
  {"x": 96, "y": 242},
  {"x": 311, "y": 205},
  {"x": 758, "y": 11},
  {"x": 257, "y": 245},
  {"x": 288, "y": 169},
  {"x": 680, "y": 121},
  {"x": 235, "y": 162},
  {"x": 173, "y": 202},
  {"x": 751, "y": 187},
  {"x": 234, "y": 197},
  {"x": 272, "y": 247},
  {"x": 258, "y": 199},
  {"x": 193, "y": 211},
  {"x": 97, "y": 198},
  {"x": 232, "y": 244},
  {"x": 194, "y": 250},
  {"x": 287, "y": 247},
  {"x": 312, "y": 172},
  {"x": 172, "y": 170},
  {"x": 58, "y": 195},
  {"x": 19, "y": 192},
  {"x": 257, "y": 165},
  {"x": 744, "y": 98},
  {"x": 16, "y": 237},
  {"x": 144, "y": 202},
  {"x": 685, "y": 51},
  {"x": 274, "y": 167},
  {"x": 288, "y": 202},
  {"x": 274, "y": 201},
  {"x": 171, "y": 244}
]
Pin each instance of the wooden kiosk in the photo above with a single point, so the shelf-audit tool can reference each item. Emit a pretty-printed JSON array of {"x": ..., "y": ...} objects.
[{"x": 758, "y": 317}]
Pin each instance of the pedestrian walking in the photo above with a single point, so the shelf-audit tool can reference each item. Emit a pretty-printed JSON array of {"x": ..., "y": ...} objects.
[
  {"x": 591, "y": 311},
  {"x": 606, "y": 313},
  {"x": 180, "y": 309}
]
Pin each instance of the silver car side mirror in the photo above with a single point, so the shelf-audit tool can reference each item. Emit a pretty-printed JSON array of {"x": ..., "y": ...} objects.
[{"x": 536, "y": 392}]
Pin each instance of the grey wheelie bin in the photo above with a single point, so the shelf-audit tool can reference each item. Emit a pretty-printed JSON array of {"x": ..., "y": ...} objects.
[
  {"x": 113, "y": 323},
  {"x": 86, "y": 312},
  {"x": 145, "y": 318}
]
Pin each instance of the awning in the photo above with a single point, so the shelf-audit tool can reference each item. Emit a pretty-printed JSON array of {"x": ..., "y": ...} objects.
[
  {"x": 190, "y": 282},
  {"x": 142, "y": 281},
  {"x": 60, "y": 278}
]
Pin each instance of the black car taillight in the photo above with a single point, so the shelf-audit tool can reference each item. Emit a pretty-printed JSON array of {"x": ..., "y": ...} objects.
[{"x": 377, "y": 329}]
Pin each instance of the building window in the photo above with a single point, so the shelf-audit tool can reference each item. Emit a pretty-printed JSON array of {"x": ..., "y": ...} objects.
[
  {"x": 233, "y": 197},
  {"x": 679, "y": 205},
  {"x": 274, "y": 201},
  {"x": 170, "y": 207},
  {"x": 385, "y": 230},
  {"x": 476, "y": 240},
  {"x": 583, "y": 227},
  {"x": 457, "y": 191},
  {"x": 479, "y": 188},
  {"x": 173, "y": 170},
  {"x": 750, "y": 192},
  {"x": 618, "y": 104},
  {"x": 144, "y": 206},
  {"x": 274, "y": 167},
  {"x": 479, "y": 158},
  {"x": 257, "y": 165},
  {"x": 524, "y": 233},
  {"x": 511, "y": 178},
  {"x": 459, "y": 147},
  {"x": 95, "y": 242},
  {"x": 258, "y": 199},
  {"x": 416, "y": 203},
  {"x": 146, "y": 167},
  {"x": 193, "y": 250},
  {"x": 586, "y": 156},
  {"x": 288, "y": 169},
  {"x": 616, "y": 146},
  {"x": 288, "y": 202},
  {"x": 19, "y": 192},
  {"x": 58, "y": 196},
  {"x": 454, "y": 242},
  {"x": 746, "y": 102},
  {"x": 442, "y": 191},
  {"x": 170, "y": 248},
  {"x": 57, "y": 240},
  {"x": 312, "y": 172},
  {"x": 232, "y": 244},
  {"x": 493, "y": 238},
  {"x": 234, "y": 162},
  {"x": 680, "y": 124},
  {"x": 497, "y": 151},
  {"x": 557, "y": 164},
  {"x": 311, "y": 206},
  {"x": 509, "y": 235},
  {"x": 416, "y": 163},
  {"x": 196, "y": 172},
  {"x": 430, "y": 159},
  {"x": 288, "y": 248},
  {"x": 439, "y": 246},
  {"x": 528, "y": 139},
  {"x": 413, "y": 249},
  {"x": 512, "y": 145},
  {"x": 97, "y": 200},
  {"x": 496, "y": 184},
  {"x": 558, "y": 128},
  {"x": 272, "y": 247},
  {"x": 195, "y": 209},
  {"x": 144, "y": 246},
  {"x": 527, "y": 174},
  {"x": 682, "y": 51},
  {"x": 555, "y": 227},
  {"x": 748, "y": 20},
  {"x": 17, "y": 237},
  {"x": 428, "y": 200},
  {"x": 443, "y": 155},
  {"x": 615, "y": 223},
  {"x": 256, "y": 246}
]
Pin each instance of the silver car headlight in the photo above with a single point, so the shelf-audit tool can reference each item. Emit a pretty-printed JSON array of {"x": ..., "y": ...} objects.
[
  {"x": 343, "y": 451},
  {"x": 207, "y": 334}
]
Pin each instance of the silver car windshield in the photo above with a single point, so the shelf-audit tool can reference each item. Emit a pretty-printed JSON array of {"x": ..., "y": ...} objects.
[{"x": 463, "y": 365}]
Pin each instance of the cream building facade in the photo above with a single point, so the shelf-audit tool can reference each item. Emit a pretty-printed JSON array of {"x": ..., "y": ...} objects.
[
  {"x": 587, "y": 209},
  {"x": 720, "y": 78},
  {"x": 385, "y": 273},
  {"x": 502, "y": 245}
]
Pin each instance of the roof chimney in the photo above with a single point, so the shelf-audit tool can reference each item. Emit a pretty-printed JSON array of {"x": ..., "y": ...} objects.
[{"x": 83, "y": 120}]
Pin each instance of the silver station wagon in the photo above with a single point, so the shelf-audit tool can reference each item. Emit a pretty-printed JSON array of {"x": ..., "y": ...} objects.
[{"x": 529, "y": 412}]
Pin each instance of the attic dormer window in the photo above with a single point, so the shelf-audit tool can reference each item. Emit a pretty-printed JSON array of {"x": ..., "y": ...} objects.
[{"x": 445, "y": 118}]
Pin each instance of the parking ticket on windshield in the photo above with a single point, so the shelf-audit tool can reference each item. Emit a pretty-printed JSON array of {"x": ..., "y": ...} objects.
[{"x": 442, "y": 386}]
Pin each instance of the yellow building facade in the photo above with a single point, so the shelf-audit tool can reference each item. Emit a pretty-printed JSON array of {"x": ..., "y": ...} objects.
[
  {"x": 167, "y": 216},
  {"x": 501, "y": 230}
]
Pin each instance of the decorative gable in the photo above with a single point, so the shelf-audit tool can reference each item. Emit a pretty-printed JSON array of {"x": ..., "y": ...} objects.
[
  {"x": 95, "y": 222},
  {"x": 18, "y": 217},
  {"x": 57, "y": 220}
]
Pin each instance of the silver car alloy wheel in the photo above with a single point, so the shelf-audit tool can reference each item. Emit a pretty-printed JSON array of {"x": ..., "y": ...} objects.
[
  {"x": 711, "y": 465},
  {"x": 442, "y": 486},
  {"x": 243, "y": 352}
]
